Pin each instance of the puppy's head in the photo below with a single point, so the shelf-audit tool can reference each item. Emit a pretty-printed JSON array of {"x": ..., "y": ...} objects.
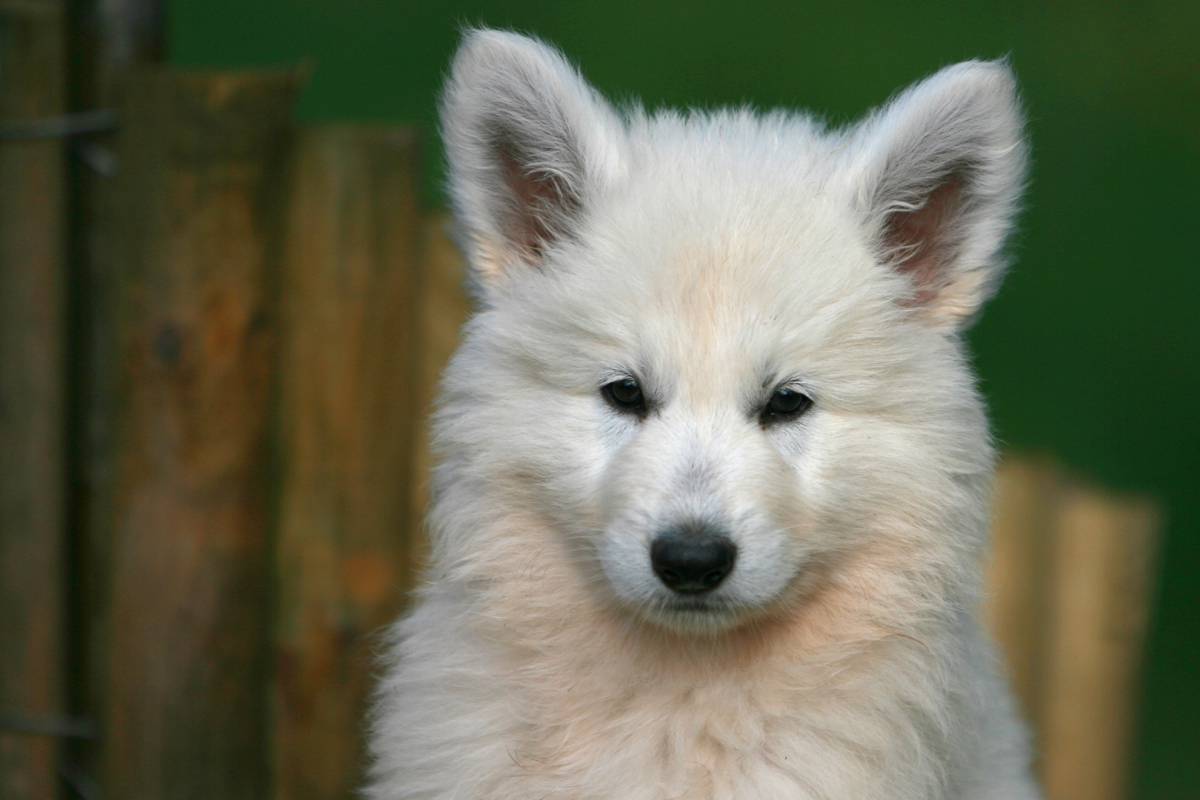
[{"x": 720, "y": 353}]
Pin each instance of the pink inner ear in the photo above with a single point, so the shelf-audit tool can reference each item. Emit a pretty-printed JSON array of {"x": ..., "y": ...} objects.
[
  {"x": 534, "y": 203},
  {"x": 922, "y": 239}
]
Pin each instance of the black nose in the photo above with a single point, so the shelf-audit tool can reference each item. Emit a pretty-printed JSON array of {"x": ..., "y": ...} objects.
[{"x": 692, "y": 561}]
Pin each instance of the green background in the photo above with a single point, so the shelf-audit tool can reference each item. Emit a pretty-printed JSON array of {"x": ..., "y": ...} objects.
[{"x": 1092, "y": 349}]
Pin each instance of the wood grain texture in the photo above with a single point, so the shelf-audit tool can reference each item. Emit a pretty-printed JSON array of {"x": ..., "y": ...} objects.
[
  {"x": 199, "y": 196},
  {"x": 107, "y": 39},
  {"x": 347, "y": 423},
  {"x": 32, "y": 401}
]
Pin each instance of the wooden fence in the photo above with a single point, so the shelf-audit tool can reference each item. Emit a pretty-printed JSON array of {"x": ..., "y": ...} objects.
[
  {"x": 204, "y": 626},
  {"x": 269, "y": 315},
  {"x": 32, "y": 404},
  {"x": 1070, "y": 583}
]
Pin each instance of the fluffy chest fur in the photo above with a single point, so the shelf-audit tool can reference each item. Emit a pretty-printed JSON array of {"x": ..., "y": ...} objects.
[
  {"x": 551, "y": 696},
  {"x": 741, "y": 733}
]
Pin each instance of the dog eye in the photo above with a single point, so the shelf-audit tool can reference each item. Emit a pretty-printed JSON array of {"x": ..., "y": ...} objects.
[
  {"x": 785, "y": 404},
  {"x": 625, "y": 394}
]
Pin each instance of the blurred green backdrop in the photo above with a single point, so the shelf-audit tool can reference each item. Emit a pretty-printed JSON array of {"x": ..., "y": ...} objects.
[{"x": 1091, "y": 351}]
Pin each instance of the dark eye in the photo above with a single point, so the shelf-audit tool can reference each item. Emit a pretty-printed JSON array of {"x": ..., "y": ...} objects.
[
  {"x": 785, "y": 404},
  {"x": 625, "y": 394}
]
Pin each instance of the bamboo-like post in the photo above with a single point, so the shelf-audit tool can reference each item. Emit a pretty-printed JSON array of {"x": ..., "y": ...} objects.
[
  {"x": 1104, "y": 554},
  {"x": 1019, "y": 572},
  {"x": 198, "y": 196},
  {"x": 443, "y": 309},
  {"x": 347, "y": 422},
  {"x": 32, "y": 402}
]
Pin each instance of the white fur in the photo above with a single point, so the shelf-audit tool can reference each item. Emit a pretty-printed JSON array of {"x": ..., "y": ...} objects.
[{"x": 712, "y": 256}]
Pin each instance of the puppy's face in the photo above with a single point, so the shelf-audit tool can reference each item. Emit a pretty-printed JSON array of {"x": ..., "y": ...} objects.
[{"x": 720, "y": 353}]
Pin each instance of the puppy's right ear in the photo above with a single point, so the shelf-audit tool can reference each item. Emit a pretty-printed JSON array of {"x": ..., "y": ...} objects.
[
  {"x": 938, "y": 173},
  {"x": 529, "y": 144}
]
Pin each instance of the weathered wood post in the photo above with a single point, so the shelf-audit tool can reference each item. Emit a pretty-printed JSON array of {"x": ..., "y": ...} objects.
[
  {"x": 32, "y": 399},
  {"x": 107, "y": 39},
  {"x": 199, "y": 196},
  {"x": 347, "y": 416},
  {"x": 1070, "y": 589},
  {"x": 443, "y": 308},
  {"x": 1105, "y": 552},
  {"x": 1019, "y": 572}
]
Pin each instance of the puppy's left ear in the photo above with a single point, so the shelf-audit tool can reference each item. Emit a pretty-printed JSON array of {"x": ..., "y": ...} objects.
[
  {"x": 530, "y": 146},
  {"x": 938, "y": 174}
]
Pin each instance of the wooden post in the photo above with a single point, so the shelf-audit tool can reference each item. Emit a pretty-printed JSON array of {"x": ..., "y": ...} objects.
[
  {"x": 199, "y": 193},
  {"x": 32, "y": 403},
  {"x": 107, "y": 38},
  {"x": 443, "y": 309},
  {"x": 1105, "y": 553},
  {"x": 1019, "y": 572},
  {"x": 347, "y": 421}
]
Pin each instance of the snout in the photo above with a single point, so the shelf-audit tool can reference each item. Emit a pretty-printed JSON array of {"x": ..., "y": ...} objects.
[{"x": 692, "y": 559}]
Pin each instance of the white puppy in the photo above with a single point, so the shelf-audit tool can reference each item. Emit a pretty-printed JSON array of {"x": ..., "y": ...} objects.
[{"x": 713, "y": 471}]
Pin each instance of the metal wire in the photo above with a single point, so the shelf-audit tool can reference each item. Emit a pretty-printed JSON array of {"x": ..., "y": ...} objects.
[
  {"x": 85, "y": 123},
  {"x": 56, "y": 726}
]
